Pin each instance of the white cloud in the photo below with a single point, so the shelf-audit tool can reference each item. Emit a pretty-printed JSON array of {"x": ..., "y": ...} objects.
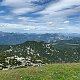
[
  {"x": 66, "y": 21},
  {"x": 6, "y": 17},
  {"x": 21, "y": 10},
  {"x": 62, "y": 4},
  {"x": 23, "y": 18},
  {"x": 15, "y": 26},
  {"x": 54, "y": 15},
  {"x": 21, "y": 6},
  {"x": 61, "y": 9},
  {"x": 13, "y": 3},
  {"x": 23, "y": 27}
]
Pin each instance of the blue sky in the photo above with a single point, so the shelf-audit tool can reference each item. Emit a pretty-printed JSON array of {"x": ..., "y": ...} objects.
[{"x": 40, "y": 16}]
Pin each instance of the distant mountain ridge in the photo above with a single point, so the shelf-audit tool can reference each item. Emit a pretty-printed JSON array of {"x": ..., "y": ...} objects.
[{"x": 18, "y": 38}]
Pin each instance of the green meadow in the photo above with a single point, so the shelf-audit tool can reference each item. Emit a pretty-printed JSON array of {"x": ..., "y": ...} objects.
[{"x": 47, "y": 72}]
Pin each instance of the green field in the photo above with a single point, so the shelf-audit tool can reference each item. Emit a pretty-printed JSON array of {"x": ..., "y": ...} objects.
[{"x": 48, "y": 72}]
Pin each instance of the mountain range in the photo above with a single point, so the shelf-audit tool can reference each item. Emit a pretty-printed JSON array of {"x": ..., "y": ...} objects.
[{"x": 18, "y": 38}]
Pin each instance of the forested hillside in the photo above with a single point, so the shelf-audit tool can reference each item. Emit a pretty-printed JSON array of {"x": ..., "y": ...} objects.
[{"x": 39, "y": 52}]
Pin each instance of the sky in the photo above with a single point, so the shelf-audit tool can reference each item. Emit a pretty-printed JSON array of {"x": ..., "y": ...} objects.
[{"x": 40, "y": 16}]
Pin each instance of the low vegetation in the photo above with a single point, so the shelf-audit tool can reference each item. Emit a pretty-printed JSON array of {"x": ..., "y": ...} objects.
[{"x": 48, "y": 72}]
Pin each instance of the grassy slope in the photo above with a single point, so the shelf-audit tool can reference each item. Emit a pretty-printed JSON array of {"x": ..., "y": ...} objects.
[{"x": 48, "y": 72}]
